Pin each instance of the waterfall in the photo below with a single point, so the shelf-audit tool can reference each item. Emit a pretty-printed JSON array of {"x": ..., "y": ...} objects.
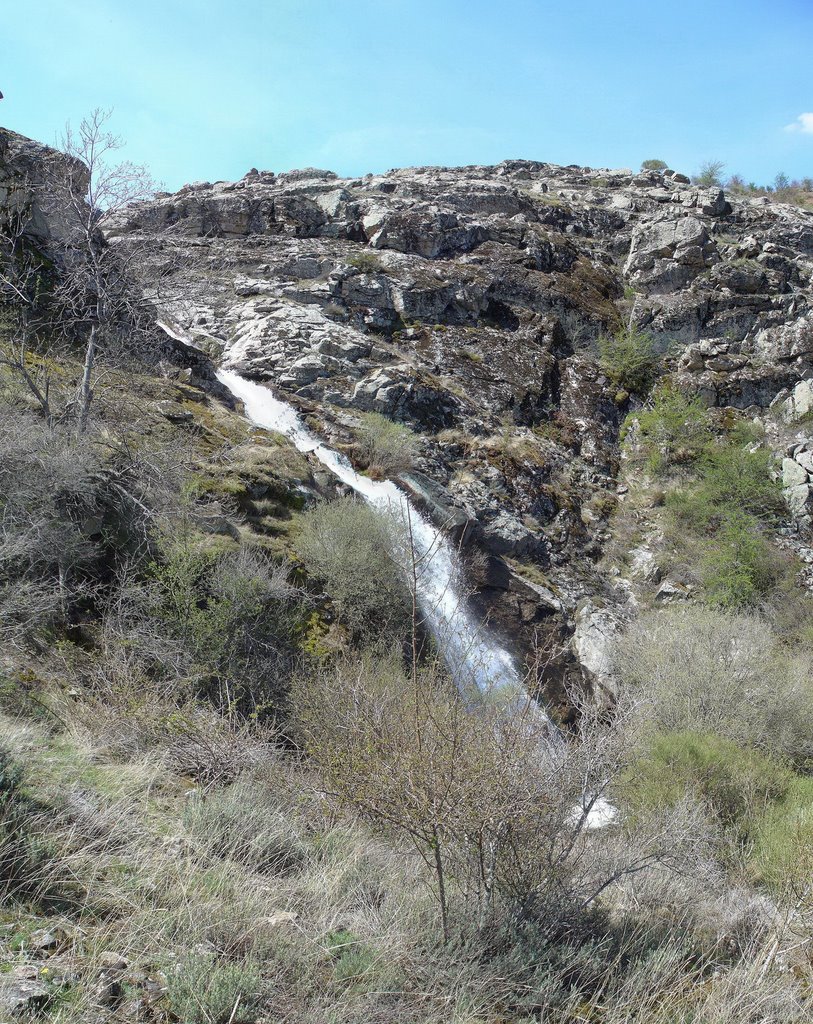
[{"x": 472, "y": 654}]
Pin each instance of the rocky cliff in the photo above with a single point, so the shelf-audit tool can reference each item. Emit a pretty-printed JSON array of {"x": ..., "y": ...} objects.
[
  {"x": 467, "y": 303},
  {"x": 156, "y": 648},
  {"x": 24, "y": 168}
]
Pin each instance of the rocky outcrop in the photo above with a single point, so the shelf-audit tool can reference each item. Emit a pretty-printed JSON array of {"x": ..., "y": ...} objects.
[
  {"x": 467, "y": 303},
  {"x": 795, "y": 408},
  {"x": 26, "y": 169},
  {"x": 668, "y": 254}
]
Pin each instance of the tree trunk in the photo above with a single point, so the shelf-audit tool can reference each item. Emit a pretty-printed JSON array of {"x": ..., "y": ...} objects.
[
  {"x": 85, "y": 390},
  {"x": 439, "y": 871}
]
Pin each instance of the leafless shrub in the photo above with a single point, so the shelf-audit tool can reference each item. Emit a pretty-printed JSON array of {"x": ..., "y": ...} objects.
[
  {"x": 50, "y": 490},
  {"x": 205, "y": 751},
  {"x": 712, "y": 671},
  {"x": 500, "y": 809}
]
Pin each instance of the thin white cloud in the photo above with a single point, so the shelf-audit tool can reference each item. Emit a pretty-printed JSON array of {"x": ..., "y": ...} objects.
[{"x": 803, "y": 124}]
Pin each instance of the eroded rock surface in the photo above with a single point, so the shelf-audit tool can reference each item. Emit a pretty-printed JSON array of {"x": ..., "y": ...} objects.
[{"x": 466, "y": 303}]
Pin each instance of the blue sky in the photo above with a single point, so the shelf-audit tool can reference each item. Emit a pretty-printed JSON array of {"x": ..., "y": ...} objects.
[{"x": 205, "y": 89}]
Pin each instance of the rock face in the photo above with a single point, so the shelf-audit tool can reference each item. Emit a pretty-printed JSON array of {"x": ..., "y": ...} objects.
[
  {"x": 466, "y": 303},
  {"x": 21, "y": 997},
  {"x": 796, "y": 409},
  {"x": 666, "y": 255},
  {"x": 24, "y": 169}
]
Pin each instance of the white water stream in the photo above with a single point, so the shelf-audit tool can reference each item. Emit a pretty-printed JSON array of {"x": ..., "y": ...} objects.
[{"x": 473, "y": 656}]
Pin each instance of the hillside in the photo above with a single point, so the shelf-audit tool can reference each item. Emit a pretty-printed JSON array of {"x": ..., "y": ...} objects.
[
  {"x": 467, "y": 303},
  {"x": 276, "y": 745}
]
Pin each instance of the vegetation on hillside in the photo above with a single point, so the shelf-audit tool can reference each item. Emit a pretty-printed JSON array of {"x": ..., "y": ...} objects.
[
  {"x": 630, "y": 359},
  {"x": 237, "y": 783},
  {"x": 797, "y": 191}
]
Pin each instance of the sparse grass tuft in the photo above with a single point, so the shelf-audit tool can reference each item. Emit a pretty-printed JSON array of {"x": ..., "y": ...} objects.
[
  {"x": 245, "y": 824},
  {"x": 630, "y": 359},
  {"x": 367, "y": 263},
  {"x": 201, "y": 990}
]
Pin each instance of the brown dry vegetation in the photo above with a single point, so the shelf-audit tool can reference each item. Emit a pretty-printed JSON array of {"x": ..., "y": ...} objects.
[{"x": 340, "y": 838}]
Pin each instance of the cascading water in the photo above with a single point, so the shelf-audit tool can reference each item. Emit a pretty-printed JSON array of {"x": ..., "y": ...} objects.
[{"x": 473, "y": 656}]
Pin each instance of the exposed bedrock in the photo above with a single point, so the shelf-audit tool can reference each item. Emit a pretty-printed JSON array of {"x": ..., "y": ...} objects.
[{"x": 467, "y": 304}]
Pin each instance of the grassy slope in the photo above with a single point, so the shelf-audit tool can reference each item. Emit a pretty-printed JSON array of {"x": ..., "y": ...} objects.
[{"x": 187, "y": 868}]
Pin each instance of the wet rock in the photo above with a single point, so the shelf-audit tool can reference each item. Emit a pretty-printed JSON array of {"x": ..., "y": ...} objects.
[{"x": 431, "y": 498}]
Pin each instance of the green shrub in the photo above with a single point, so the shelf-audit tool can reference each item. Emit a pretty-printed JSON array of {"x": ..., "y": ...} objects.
[
  {"x": 722, "y": 515},
  {"x": 733, "y": 480},
  {"x": 232, "y": 618},
  {"x": 710, "y": 174},
  {"x": 354, "y": 964},
  {"x": 783, "y": 840},
  {"x": 203, "y": 990},
  {"x": 674, "y": 431},
  {"x": 654, "y": 165},
  {"x": 629, "y": 359},
  {"x": 19, "y": 696},
  {"x": 348, "y": 547},
  {"x": 740, "y": 567},
  {"x": 735, "y": 784},
  {"x": 386, "y": 447}
]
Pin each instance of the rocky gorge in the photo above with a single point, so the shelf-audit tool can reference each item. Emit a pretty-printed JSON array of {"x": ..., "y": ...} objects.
[
  {"x": 466, "y": 303},
  {"x": 363, "y": 463}
]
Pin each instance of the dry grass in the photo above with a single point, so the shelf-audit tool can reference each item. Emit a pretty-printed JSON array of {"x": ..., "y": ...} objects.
[{"x": 164, "y": 882}]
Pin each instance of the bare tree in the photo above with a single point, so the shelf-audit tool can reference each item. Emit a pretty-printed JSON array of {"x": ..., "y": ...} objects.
[
  {"x": 502, "y": 812},
  {"x": 62, "y": 287},
  {"x": 97, "y": 294}
]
